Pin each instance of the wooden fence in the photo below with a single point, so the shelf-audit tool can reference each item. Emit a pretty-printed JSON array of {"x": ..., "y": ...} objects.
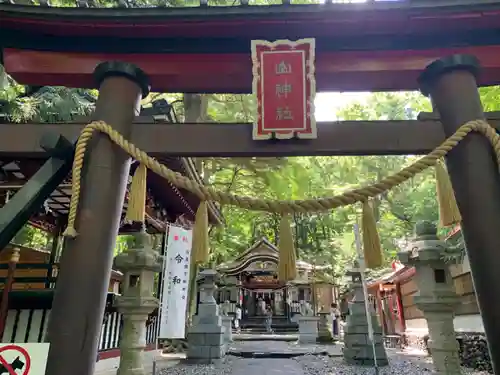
[{"x": 30, "y": 325}]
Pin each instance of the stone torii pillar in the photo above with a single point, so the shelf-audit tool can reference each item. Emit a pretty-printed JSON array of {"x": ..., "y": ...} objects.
[
  {"x": 451, "y": 84},
  {"x": 436, "y": 297},
  {"x": 78, "y": 306}
]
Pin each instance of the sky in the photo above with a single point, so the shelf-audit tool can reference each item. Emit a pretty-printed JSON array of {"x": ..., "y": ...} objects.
[{"x": 328, "y": 103}]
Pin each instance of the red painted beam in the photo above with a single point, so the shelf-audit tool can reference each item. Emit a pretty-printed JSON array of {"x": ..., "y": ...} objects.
[
  {"x": 406, "y": 273},
  {"x": 232, "y": 73},
  {"x": 454, "y": 231},
  {"x": 313, "y": 20}
]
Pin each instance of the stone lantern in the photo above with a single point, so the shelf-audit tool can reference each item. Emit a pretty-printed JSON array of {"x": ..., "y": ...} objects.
[
  {"x": 358, "y": 348},
  {"x": 354, "y": 275},
  {"x": 308, "y": 324},
  {"x": 436, "y": 297},
  {"x": 227, "y": 321},
  {"x": 138, "y": 265},
  {"x": 206, "y": 342}
]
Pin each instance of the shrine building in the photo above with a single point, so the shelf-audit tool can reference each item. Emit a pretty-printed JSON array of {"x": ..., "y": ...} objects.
[
  {"x": 446, "y": 49},
  {"x": 253, "y": 276},
  {"x": 29, "y": 284}
]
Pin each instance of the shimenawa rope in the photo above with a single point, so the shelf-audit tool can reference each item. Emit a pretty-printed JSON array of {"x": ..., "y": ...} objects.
[
  {"x": 277, "y": 206},
  {"x": 373, "y": 254}
]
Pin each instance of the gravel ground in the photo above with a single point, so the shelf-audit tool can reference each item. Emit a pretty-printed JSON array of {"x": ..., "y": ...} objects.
[
  {"x": 399, "y": 363},
  {"x": 224, "y": 367},
  {"x": 415, "y": 363}
]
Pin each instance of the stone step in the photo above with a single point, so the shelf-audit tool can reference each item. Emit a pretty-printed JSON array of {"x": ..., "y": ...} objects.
[
  {"x": 262, "y": 323},
  {"x": 266, "y": 337},
  {"x": 274, "y": 326},
  {"x": 263, "y": 318},
  {"x": 277, "y": 329}
]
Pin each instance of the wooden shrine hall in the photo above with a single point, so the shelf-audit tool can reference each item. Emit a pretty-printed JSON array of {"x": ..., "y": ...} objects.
[
  {"x": 253, "y": 276},
  {"x": 446, "y": 49}
]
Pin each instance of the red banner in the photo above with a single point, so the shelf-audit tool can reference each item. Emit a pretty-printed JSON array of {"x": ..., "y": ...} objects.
[{"x": 284, "y": 84}]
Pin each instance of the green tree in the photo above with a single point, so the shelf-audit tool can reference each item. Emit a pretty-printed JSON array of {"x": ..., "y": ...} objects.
[
  {"x": 30, "y": 236},
  {"x": 327, "y": 236}
]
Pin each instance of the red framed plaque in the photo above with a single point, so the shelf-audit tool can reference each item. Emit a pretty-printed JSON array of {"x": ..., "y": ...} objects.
[{"x": 285, "y": 87}]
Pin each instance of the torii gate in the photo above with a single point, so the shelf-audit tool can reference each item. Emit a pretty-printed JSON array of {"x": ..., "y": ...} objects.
[
  {"x": 451, "y": 84},
  {"x": 86, "y": 262}
]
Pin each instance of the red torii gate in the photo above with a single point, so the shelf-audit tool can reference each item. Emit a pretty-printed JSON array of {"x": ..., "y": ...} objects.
[{"x": 41, "y": 52}]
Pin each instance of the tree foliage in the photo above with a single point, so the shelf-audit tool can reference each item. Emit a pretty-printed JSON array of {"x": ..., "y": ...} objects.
[{"x": 328, "y": 238}]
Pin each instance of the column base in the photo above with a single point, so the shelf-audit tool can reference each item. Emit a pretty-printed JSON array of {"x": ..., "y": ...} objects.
[
  {"x": 228, "y": 333},
  {"x": 134, "y": 371},
  {"x": 308, "y": 329}
]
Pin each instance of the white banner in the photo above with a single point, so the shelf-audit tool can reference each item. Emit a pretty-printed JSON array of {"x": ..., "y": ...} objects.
[{"x": 174, "y": 298}]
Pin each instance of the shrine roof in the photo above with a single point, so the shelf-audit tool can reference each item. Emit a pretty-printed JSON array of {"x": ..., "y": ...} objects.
[
  {"x": 261, "y": 247},
  {"x": 262, "y": 251},
  {"x": 165, "y": 202},
  {"x": 457, "y": 229},
  {"x": 392, "y": 276}
]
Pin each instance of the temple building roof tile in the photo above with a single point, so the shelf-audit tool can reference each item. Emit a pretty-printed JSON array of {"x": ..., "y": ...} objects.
[{"x": 261, "y": 256}]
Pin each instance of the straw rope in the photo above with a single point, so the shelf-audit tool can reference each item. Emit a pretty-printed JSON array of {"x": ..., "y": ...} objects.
[{"x": 277, "y": 206}]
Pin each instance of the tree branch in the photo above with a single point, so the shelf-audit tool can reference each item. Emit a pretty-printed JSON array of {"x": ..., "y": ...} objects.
[
  {"x": 236, "y": 171},
  {"x": 403, "y": 217}
]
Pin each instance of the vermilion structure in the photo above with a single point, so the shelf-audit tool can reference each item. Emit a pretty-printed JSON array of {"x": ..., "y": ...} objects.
[
  {"x": 445, "y": 48},
  {"x": 381, "y": 45}
]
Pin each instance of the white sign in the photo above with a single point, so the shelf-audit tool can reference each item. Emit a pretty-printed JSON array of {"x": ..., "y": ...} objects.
[
  {"x": 23, "y": 359},
  {"x": 174, "y": 298}
]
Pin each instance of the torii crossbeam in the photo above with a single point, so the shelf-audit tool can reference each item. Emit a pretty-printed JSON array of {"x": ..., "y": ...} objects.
[{"x": 405, "y": 137}]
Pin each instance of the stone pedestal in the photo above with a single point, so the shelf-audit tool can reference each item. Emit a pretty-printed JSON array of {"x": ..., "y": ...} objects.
[
  {"x": 206, "y": 334},
  {"x": 325, "y": 333},
  {"x": 227, "y": 322},
  {"x": 435, "y": 297},
  {"x": 308, "y": 329},
  {"x": 358, "y": 349},
  {"x": 139, "y": 265}
]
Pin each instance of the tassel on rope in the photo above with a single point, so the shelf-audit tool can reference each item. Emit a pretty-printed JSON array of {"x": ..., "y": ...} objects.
[
  {"x": 200, "y": 247},
  {"x": 287, "y": 260},
  {"x": 70, "y": 232},
  {"x": 199, "y": 254},
  {"x": 371, "y": 241},
  {"x": 136, "y": 209},
  {"x": 449, "y": 213}
]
